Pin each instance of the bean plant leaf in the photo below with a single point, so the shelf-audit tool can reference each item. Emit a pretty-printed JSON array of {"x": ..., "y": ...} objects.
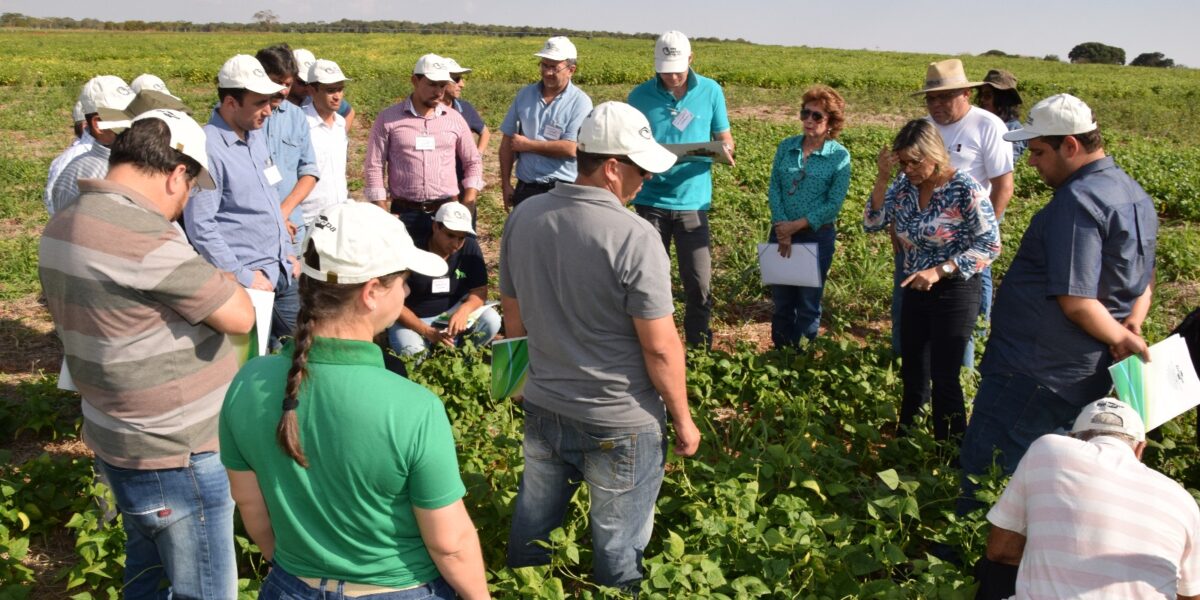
[{"x": 890, "y": 478}]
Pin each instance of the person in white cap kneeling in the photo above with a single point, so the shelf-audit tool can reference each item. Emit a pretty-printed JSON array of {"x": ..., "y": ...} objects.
[
  {"x": 589, "y": 282},
  {"x": 450, "y": 309},
  {"x": 1084, "y": 518}
]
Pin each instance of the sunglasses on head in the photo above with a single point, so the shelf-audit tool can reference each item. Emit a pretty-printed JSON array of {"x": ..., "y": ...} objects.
[{"x": 815, "y": 115}]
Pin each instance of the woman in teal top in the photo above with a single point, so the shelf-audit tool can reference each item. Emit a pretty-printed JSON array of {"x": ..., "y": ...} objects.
[
  {"x": 344, "y": 473},
  {"x": 809, "y": 180}
]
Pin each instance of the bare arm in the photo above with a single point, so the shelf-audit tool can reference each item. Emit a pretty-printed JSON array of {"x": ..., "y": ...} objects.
[
  {"x": 350, "y": 119},
  {"x": 243, "y": 486},
  {"x": 663, "y": 353},
  {"x": 1002, "y": 191},
  {"x": 513, "y": 325},
  {"x": 453, "y": 544},
  {"x": 409, "y": 320},
  {"x": 726, "y": 137},
  {"x": 506, "y": 168},
  {"x": 553, "y": 149},
  {"x": 1004, "y": 546},
  {"x": 1091, "y": 316},
  {"x": 235, "y": 317},
  {"x": 485, "y": 136},
  {"x": 1141, "y": 307},
  {"x": 304, "y": 186},
  {"x": 473, "y": 300}
]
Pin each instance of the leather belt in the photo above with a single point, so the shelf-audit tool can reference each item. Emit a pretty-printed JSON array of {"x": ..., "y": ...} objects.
[{"x": 400, "y": 205}]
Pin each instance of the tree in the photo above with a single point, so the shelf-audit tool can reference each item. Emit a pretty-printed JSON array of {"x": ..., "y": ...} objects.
[
  {"x": 1052, "y": 58},
  {"x": 1152, "y": 59},
  {"x": 1095, "y": 52},
  {"x": 999, "y": 53},
  {"x": 266, "y": 18}
]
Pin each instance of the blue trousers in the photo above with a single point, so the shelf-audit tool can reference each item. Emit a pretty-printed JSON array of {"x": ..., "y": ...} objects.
[{"x": 798, "y": 309}]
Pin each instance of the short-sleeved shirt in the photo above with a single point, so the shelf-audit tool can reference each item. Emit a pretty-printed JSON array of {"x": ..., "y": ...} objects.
[
  {"x": 812, "y": 188},
  {"x": 92, "y": 164},
  {"x": 582, "y": 267},
  {"x": 1096, "y": 238},
  {"x": 467, "y": 271},
  {"x": 1099, "y": 524},
  {"x": 129, "y": 297},
  {"x": 378, "y": 445},
  {"x": 977, "y": 147},
  {"x": 290, "y": 143},
  {"x": 696, "y": 117},
  {"x": 329, "y": 143},
  {"x": 79, "y": 146},
  {"x": 475, "y": 123},
  {"x": 533, "y": 118}
]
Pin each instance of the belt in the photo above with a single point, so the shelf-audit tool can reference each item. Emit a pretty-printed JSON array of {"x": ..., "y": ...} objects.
[
  {"x": 429, "y": 206},
  {"x": 353, "y": 590},
  {"x": 548, "y": 185}
]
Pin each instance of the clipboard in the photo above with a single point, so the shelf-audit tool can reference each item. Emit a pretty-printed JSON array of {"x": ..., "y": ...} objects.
[
  {"x": 714, "y": 150},
  {"x": 800, "y": 269}
]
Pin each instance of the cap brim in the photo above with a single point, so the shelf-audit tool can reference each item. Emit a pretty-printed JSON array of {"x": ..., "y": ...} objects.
[
  {"x": 1021, "y": 135},
  {"x": 113, "y": 119},
  {"x": 460, "y": 71},
  {"x": 654, "y": 159},
  {"x": 946, "y": 88},
  {"x": 437, "y": 76},
  {"x": 205, "y": 180},
  {"x": 552, "y": 56},
  {"x": 266, "y": 87},
  {"x": 671, "y": 66},
  {"x": 427, "y": 263}
]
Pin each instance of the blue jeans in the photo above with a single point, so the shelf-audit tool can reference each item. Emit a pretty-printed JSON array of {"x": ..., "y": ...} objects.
[
  {"x": 179, "y": 525},
  {"x": 985, "y": 311},
  {"x": 281, "y": 585},
  {"x": 285, "y": 310},
  {"x": 689, "y": 229},
  {"x": 798, "y": 309},
  {"x": 1010, "y": 412},
  {"x": 407, "y": 342},
  {"x": 623, "y": 467}
]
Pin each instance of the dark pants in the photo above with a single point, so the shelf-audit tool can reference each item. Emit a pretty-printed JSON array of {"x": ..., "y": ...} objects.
[
  {"x": 936, "y": 326},
  {"x": 525, "y": 190},
  {"x": 798, "y": 309},
  {"x": 689, "y": 229}
]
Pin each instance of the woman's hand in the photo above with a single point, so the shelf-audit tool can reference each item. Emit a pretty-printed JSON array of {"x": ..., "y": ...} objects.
[
  {"x": 790, "y": 228},
  {"x": 886, "y": 161},
  {"x": 922, "y": 280},
  {"x": 785, "y": 245}
]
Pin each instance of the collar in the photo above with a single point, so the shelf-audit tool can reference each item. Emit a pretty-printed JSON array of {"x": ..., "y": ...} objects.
[
  {"x": 86, "y": 137},
  {"x": 334, "y": 351},
  {"x": 407, "y": 106},
  {"x": 825, "y": 149},
  {"x": 284, "y": 106},
  {"x": 108, "y": 186},
  {"x": 692, "y": 82},
  {"x": 226, "y": 133},
  {"x": 541, "y": 86},
  {"x": 591, "y": 193},
  {"x": 1095, "y": 166}
]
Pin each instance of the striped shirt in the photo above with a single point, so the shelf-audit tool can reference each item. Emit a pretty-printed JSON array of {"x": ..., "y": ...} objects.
[
  {"x": 1099, "y": 524},
  {"x": 128, "y": 296},
  {"x": 418, "y": 154},
  {"x": 92, "y": 164}
]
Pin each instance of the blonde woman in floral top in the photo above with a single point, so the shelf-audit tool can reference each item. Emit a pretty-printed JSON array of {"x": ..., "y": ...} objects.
[{"x": 948, "y": 233}]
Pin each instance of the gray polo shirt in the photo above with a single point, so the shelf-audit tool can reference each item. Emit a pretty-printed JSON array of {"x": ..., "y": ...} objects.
[
  {"x": 583, "y": 267},
  {"x": 1095, "y": 239}
]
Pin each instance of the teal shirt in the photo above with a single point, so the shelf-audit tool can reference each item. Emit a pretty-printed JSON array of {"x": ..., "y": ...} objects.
[
  {"x": 378, "y": 445},
  {"x": 814, "y": 188},
  {"x": 688, "y": 184}
]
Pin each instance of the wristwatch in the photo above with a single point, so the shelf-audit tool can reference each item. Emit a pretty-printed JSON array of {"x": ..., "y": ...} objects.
[{"x": 947, "y": 269}]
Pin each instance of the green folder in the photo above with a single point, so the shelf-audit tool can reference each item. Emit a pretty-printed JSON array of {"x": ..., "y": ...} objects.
[
  {"x": 1161, "y": 389},
  {"x": 510, "y": 366}
]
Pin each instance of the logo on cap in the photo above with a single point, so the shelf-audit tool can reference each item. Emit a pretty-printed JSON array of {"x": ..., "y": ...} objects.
[
  {"x": 323, "y": 223},
  {"x": 645, "y": 133},
  {"x": 669, "y": 51},
  {"x": 259, "y": 73},
  {"x": 329, "y": 70},
  {"x": 124, "y": 91}
]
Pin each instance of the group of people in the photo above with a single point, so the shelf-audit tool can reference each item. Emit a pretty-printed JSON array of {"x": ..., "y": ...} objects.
[{"x": 143, "y": 306}]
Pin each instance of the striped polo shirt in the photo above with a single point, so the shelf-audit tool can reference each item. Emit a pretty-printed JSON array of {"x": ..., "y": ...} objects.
[
  {"x": 1099, "y": 524},
  {"x": 128, "y": 296}
]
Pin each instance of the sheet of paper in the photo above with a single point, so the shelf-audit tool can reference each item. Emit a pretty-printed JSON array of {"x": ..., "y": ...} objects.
[
  {"x": 64, "y": 378},
  {"x": 1161, "y": 389},
  {"x": 510, "y": 367},
  {"x": 801, "y": 268},
  {"x": 714, "y": 150}
]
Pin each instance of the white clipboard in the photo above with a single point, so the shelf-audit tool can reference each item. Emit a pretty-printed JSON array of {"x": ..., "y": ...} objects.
[{"x": 800, "y": 269}]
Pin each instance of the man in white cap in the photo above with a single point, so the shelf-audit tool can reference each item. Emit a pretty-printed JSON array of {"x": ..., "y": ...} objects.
[
  {"x": 82, "y": 143},
  {"x": 327, "y": 131},
  {"x": 104, "y": 91},
  {"x": 684, "y": 107},
  {"x": 152, "y": 83},
  {"x": 589, "y": 283},
  {"x": 1084, "y": 518},
  {"x": 453, "y": 98},
  {"x": 238, "y": 225},
  {"x": 447, "y": 310},
  {"x": 299, "y": 93},
  {"x": 143, "y": 321},
  {"x": 412, "y": 150},
  {"x": 1075, "y": 297},
  {"x": 542, "y": 125}
]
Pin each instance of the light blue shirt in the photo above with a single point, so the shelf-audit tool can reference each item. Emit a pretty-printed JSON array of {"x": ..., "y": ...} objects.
[
  {"x": 688, "y": 184},
  {"x": 290, "y": 144},
  {"x": 533, "y": 118},
  {"x": 238, "y": 226}
]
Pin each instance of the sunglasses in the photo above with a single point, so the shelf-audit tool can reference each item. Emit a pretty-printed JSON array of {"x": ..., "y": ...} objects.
[
  {"x": 625, "y": 159},
  {"x": 456, "y": 78},
  {"x": 815, "y": 115}
]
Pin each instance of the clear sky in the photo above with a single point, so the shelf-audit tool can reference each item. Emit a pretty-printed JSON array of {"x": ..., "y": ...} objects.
[{"x": 1027, "y": 27}]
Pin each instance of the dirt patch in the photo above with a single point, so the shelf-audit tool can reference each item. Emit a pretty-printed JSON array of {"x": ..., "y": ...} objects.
[
  {"x": 27, "y": 340},
  {"x": 766, "y": 112}
]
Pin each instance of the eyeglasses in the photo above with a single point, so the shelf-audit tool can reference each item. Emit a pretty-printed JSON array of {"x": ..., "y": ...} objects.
[
  {"x": 625, "y": 159},
  {"x": 909, "y": 163},
  {"x": 816, "y": 115},
  {"x": 551, "y": 69},
  {"x": 456, "y": 77},
  {"x": 943, "y": 98}
]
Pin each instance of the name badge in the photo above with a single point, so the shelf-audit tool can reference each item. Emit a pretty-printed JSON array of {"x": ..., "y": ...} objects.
[
  {"x": 424, "y": 142},
  {"x": 682, "y": 119},
  {"x": 441, "y": 285},
  {"x": 552, "y": 132},
  {"x": 272, "y": 175}
]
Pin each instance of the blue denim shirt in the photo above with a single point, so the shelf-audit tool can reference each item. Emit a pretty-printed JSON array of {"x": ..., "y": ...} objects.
[
  {"x": 290, "y": 144},
  {"x": 529, "y": 115},
  {"x": 238, "y": 226}
]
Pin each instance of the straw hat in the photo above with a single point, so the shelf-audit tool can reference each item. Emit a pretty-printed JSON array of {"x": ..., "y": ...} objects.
[{"x": 946, "y": 75}]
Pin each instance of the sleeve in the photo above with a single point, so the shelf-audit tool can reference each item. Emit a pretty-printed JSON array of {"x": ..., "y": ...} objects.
[
  {"x": 877, "y": 220},
  {"x": 344, "y": 108},
  {"x": 374, "y": 186},
  {"x": 504, "y": 275},
  {"x": 511, "y": 119},
  {"x": 998, "y": 157},
  {"x": 308, "y": 155},
  {"x": 200, "y": 223},
  {"x": 979, "y": 223},
  {"x": 231, "y": 455},
  {"x": 468, "y": 156},
  {"x": 583, "y": 106},
  {"x": 1009, "y": 511},
  {"x": 720, "y": 117},
  {"x": 1073, "y": 248},
  {"x": 827, "y": 212},
  {"x": 474, "y": 121},
  {"x": 433, "y": 476},
  {"x": 775, "y": 187},
  {"x": 1189, "y": 563},
  {"x": 179, "y": 278},
  {"x": 644, "y": 272}
]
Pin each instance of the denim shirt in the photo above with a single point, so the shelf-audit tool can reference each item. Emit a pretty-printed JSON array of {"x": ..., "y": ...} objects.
[
  {"x": 238, "y": 226},
  {"x": 813, "y": 188},
  {"x": 530, "y": 116},
  {"x": 290, "y": 144}
]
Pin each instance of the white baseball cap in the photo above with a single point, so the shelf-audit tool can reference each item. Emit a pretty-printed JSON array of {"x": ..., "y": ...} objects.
[
  {"x": 453, "y": 67},
  {"x": 618, "y": 129},
  {"x": 186, "y": 136},
  {"x": 304, "y": 62},
  {"x": 433, "y": 67},
  {"x": 358, "y": 241},
  {"x": 671, "y": 53},
  {"x": 244, "y": 72},
  {"x": 558, "y": 48},
  {"x": 1110, "y": 414},
  {"x": 1060, "y": 114},
  {"x": 105, "y": 91},
  {"x": 147, "y": 81},
  {"x": 77, "y": 112},
  {"x": 455, "y": 216},
  {"x": 145, "y": 100},
  {"x": 325, "y": 71}
]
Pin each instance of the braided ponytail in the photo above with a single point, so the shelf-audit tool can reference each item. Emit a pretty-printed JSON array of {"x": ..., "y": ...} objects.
[{"x": 287, "y": 433}]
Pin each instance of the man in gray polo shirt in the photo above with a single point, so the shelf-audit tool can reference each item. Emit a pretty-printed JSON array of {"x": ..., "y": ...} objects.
[{"x": 589, "y": 282}]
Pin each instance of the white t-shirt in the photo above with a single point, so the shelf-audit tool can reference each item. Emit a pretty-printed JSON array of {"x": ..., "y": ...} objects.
[
  {"x": 976, "y": 146},
  {"x": 329, "y": 144},
  {"x": 1099, "y": 524}
]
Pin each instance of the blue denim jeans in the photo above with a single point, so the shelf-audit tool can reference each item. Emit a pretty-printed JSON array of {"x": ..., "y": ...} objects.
[
  {"x": 406, "y": 342},
  {"x": 1010, "y": 412},
  {"x": 281, "y": 585},
  {"x": 798, "y": 309},
  {"x": 285, "y": 311},
  {"x": 985, "y": 311},
  {"x": 689, "y": 230},
  {"x": 178, "y": 525},
  {"x": 623, "y": 468}
]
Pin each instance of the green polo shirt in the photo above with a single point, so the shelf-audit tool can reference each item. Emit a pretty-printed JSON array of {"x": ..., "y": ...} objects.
[{"x": 378, "y": 445}]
